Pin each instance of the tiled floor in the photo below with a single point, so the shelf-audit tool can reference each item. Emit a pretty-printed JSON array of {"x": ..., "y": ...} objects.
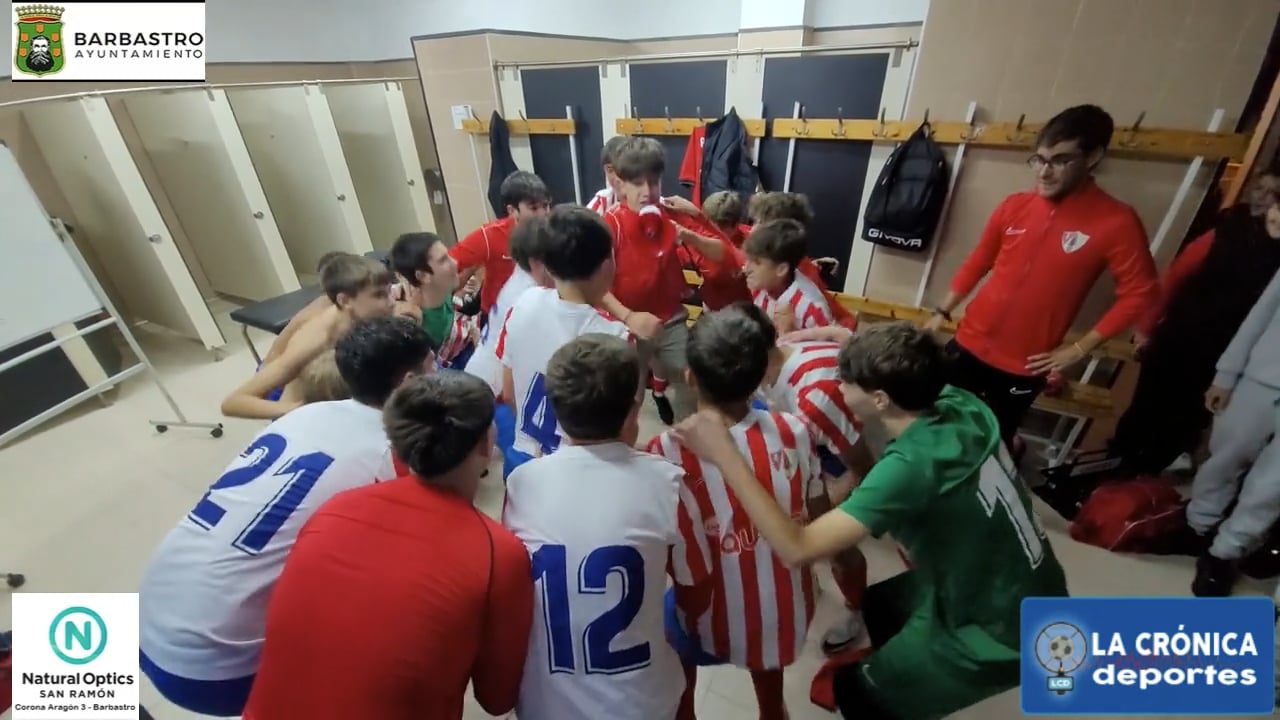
[{"x": 87, "y": 497}]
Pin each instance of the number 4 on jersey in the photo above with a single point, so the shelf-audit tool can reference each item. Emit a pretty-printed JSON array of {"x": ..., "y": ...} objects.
[{"x": 538, "y": 418}]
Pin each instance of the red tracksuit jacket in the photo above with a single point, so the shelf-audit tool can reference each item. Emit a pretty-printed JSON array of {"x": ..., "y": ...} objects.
[{"x": 1043, "y": 258}]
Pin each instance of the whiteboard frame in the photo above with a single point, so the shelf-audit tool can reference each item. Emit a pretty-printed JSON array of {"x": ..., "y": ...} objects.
[{"x": 143, "y": 365}]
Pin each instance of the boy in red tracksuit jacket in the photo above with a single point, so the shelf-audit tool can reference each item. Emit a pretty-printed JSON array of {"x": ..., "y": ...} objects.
[
  {"x": 1044, "y": 250},
  {"x": 723, "y": 283},
  {"x": 647, "y": 229},
  {"x": 485, "y": 249}
]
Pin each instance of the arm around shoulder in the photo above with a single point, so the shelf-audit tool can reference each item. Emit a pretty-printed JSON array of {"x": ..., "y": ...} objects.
[{"x": 499, "y": 665}]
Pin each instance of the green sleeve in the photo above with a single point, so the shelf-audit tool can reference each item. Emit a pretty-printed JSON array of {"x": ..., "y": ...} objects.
[{"x": 891, "y": 493}]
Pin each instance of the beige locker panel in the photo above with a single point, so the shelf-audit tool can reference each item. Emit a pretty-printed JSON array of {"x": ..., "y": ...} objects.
[
  {"x": 377, "y": 140},
  {"x": 296, "y": 152},
  {"x": 202, "y": 162},
  {"x": 117, "y": 216}
]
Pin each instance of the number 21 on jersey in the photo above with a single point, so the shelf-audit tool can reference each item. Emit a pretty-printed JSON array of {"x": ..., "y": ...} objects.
[
  {"x": 295, "y": 477},
  {"x": 550, "y": 571}
]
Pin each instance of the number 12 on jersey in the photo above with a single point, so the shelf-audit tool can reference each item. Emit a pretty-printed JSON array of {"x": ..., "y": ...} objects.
[{"x": 550, "y": 570}]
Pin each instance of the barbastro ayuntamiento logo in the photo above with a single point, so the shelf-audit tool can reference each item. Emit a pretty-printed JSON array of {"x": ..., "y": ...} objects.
[
  {"x": 39, "y": 40},
  {"x": 78, "y": 635}
]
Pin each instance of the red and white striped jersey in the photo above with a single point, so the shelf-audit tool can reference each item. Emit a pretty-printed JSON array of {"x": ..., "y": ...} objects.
[
  {"x": 809, "y": 385},
  {"x": 760, "y": 609},
  {"x": 456, "y": 341},
  {"x": 602, "y": 201},
  {"x": 539, "y": 324},
  {"x": 807, "y": 301}
]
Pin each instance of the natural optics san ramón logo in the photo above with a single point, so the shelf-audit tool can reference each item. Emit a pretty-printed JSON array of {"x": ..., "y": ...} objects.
[{"x": 39, "y": 40}]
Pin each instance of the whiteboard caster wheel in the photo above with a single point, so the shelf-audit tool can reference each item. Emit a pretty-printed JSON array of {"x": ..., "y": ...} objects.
[
  {"x": 218, "y": 354},
  {"x": 15, "y": 580},
  {"x": 216, "y": 432},
  {"x": 162, "y": 429}
]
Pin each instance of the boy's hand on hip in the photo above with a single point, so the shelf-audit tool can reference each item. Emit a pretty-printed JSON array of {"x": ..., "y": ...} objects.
[{"x": 1216, "y": 399}]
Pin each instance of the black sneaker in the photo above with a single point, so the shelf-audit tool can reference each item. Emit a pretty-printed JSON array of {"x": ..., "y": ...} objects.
[
  {"x": 1214, "y": 577},
  {"x": 665, "y": 412}
]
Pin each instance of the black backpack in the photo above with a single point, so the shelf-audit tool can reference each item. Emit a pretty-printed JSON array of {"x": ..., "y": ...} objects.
[{"x": 907, "y": 199}]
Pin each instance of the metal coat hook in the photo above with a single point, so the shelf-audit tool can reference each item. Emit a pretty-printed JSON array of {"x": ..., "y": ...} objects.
[
  {"x": 522, "y": 117},
  {"x": 698, "y": 109},
  {"x": 473, "y": 113},
  {"x": 880, "y": 128},
  {"x": 670, "y": 125},
  {"x": 926, "y": 116},
  {"x": 804, "y": 123},
  {"x": 839, "y": 130},
  {"x": 970, "y": 133},
  {"x": 1131, "y": 136},
  {"x": 1016, "y": 137}
]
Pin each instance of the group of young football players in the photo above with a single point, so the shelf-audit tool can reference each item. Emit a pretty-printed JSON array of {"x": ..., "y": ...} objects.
[{"x": 618, "y": 568}]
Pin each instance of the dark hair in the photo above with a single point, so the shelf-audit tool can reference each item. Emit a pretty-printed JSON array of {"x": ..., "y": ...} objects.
[
  {"x": 723, "y": 208},
  {"x": 1089, "y": 125},
  {"x": 348, "y": 274},
  {"x": 640, "y": 158},
  {"x": 778, "y": 241},
  {"x": 609, "y": 153},
  {"x": 327, "y": 257},
  {"x": 523, "y": 187},
  {"x": 898, "y": 358},
  {"x": 435, "y": 422},
  {"x": 575, "y": 243},
  {"x": 592, "y": 383},
  {"x": 766, "y": 206},
  {"x": 409, "y": 254},
  {"x": 528, "y": 241},
  {"x": 728, "y": 355},
  {"x": 374, "y": 356},
  {"x": 757, "y": 314}
]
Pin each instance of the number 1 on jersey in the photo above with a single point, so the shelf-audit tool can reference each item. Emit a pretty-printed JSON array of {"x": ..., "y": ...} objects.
[
  {"x": 538, "y": 418},
  {"x": 996, "y": 487}
]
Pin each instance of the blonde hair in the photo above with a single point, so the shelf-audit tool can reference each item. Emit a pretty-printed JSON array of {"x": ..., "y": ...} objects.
[
  {"x": 723, "y": 208},
  {"x": 321, "y": 380}
]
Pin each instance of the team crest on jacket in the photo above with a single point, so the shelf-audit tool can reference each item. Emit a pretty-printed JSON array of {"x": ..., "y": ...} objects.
[{"x": 1073, "y": 240}]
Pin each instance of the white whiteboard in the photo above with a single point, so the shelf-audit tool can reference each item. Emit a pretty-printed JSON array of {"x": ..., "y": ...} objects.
[{"x": 40, "y": 285}]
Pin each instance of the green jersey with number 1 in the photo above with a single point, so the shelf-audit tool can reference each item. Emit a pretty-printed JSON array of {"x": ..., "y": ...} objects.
[{"x": 948, "y": 491}]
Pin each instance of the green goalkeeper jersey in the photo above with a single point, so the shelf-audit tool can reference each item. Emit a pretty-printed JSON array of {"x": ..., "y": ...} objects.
[{"x": 949, "y": 493}]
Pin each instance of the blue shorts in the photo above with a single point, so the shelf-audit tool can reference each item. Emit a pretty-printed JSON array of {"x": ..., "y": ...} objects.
[
  {"x": 504, "y": 423},
  {"x": 274, "y": 395},
  {"x": 221, "y": 698},
  {"x": 459, "y": 361},
  {"x": 831, "y": 463},
  {"x": 685, "y": 647}
]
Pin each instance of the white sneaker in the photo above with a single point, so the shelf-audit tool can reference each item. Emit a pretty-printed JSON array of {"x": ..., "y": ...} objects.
[{"x": 846, "y": 631}]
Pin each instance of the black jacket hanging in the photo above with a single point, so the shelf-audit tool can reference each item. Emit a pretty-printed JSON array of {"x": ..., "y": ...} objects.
[
  {"x": 503, "y": 164},
  {"x": 726, "y": 165},
  {"x": 906, "y": 202}
]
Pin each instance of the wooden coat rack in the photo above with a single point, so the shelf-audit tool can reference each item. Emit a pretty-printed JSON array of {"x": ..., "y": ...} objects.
[
  {"x": 1133, "y": 139},
  {"x": 679, "y": 126},
  {"x": 524, "y": 126}
]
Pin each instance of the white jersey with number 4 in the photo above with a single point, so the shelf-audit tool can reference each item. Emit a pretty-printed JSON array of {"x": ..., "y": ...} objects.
[
  {"x": 484, "y": 361},
  {"x": 538, "y": 325},
  {"x": 598, "y": 648},
  {"x": 204, "y": 595}
]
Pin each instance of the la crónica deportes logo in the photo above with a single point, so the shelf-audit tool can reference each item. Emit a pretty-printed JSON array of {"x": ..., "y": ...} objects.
[{"x": 1148, "y": 656}]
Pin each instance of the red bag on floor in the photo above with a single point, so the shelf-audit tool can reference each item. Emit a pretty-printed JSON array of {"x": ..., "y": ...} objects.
[{"x": 1137, "y": 516}]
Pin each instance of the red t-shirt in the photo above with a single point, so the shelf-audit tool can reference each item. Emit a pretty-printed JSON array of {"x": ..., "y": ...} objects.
[
  {"x": 393, "y": 599},
  {"x": 1043, "y": 258},
  {"x": 487, "y": 246},
  {"x": 691, "y": 165},
  {"x": 1184, "y": 266},
  {"x": 650, "y": 275}
]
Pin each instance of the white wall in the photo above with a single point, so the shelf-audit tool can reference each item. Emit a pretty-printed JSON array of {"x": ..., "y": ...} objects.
[{"x": 340, "y": 30}]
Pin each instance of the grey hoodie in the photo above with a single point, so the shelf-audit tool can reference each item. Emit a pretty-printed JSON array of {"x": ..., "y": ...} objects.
[{"x": 1255, "y": 350}]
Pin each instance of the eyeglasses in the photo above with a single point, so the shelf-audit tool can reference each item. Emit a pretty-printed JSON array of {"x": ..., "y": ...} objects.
[{"x": 1057, "y": 162}]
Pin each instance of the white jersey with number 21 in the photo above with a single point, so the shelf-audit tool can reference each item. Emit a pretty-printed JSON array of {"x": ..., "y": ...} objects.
[
  {"x": 598, "y": 648},
  {"x": 538, "y": 325},
  {"x": 204, "y": 595}
]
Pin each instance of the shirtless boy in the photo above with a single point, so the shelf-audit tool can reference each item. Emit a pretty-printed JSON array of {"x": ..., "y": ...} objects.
[{"x": 356, "y": 288}]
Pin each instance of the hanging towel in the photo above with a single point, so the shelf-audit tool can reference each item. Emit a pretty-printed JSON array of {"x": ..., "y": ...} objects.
[{"x": 503, "y": 164}]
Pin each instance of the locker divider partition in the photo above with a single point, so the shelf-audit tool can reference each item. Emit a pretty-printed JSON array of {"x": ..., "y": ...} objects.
[
  {"x": 117, "y": 216},
  {"x": 373, "y": 127},
  {"x": 291, "y": 138},
  {"x": 204, "y": 169}
]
